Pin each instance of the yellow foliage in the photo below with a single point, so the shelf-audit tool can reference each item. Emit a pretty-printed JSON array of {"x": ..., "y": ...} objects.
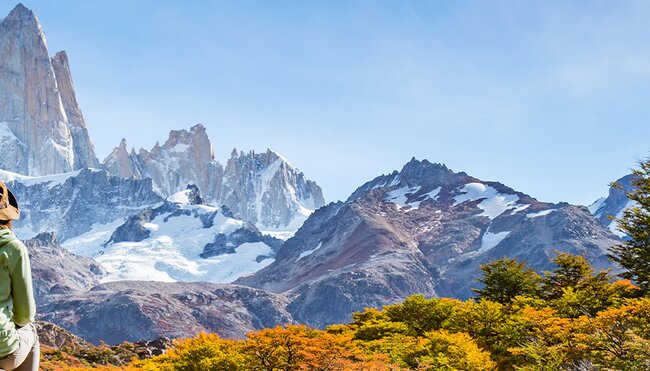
[{"x": 582, "y": 320}]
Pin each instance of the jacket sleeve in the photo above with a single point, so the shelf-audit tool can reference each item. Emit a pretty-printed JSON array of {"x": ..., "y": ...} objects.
[{"x": 24, "y": 306}]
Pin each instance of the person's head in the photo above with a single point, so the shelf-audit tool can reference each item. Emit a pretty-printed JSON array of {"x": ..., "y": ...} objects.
[{"x": 9, "y": 209}]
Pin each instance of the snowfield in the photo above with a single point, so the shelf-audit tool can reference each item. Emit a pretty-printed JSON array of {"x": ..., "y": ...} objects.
[
  {"x": 493, "y": 203},
  {"x": 172, "y": 251}
]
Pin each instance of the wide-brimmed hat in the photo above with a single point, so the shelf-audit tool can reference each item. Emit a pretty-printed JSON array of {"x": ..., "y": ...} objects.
[{"x": 9, "y": 209}]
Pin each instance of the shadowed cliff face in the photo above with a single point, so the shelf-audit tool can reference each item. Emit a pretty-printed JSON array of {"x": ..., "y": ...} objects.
[
  {"x": 424, "y": 230},
  {"x": 37, "y": 136}
]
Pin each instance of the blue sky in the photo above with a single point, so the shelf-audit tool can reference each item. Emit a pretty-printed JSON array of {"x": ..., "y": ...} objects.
[{"x": 551, "y": 98}]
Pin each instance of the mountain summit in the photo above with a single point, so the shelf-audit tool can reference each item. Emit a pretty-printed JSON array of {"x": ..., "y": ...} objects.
[
  {"x": 422, "y": 230},
  {"x": 262, "y": 188},
  {"x": 42, "y": 130}
]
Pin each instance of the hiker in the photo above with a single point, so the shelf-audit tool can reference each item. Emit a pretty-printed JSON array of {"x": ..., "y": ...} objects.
[{"x": 19, "y": 346}]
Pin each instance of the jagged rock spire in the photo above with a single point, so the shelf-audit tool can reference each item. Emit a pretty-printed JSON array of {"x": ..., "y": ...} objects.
[
  {"x": 84, "y": 151},
  {"x": 262, "y": 188},
  {"x": 36, "y": 134}
]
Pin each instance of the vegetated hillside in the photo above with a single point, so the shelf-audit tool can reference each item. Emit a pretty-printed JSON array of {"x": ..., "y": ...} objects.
[{"x": 570, "y": 318}]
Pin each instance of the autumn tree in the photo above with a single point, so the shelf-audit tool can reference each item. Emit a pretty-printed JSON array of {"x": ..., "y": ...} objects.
[
  {"x": 574, "y": 288},
  {"x": 421, "y": 314},
  {"x": 633, "y": 253},
  {"x": 204, "y": 352},
  {"x": 452, "y": 351},
  {"x": 619, "y": 338},
  {"x": 549, "y": 343}
]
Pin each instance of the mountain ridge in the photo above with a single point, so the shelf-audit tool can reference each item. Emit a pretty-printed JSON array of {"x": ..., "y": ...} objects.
[
  {"x": 263, "y": 188},
  {"x": 440, "y": 224}
]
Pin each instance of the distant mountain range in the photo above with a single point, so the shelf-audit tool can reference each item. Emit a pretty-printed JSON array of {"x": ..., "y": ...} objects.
[
  {"x": 113, "y": 241},
  {"x": 262, "y": 188},
  {"x": 43, "y": 133}
]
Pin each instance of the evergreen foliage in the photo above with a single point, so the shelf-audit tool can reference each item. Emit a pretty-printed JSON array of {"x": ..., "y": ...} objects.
[
  {"x": 633, "y": 253},
  {"x": 505, "y": 279}
]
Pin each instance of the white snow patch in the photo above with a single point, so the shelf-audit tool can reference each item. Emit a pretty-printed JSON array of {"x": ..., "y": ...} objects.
[
  {"x": 490, "y": 240},
  {"x": 160, "y": 259},
  {"x": 181, "y": 197},
  {"x": 399, "y": 196},
  {"x": 519, "y": 208},
  {"x": 593, "y": 208},
  {"x": 289, "y": 230},
  {"x": 539, "y": 213},
  {"x": 180, "y": 148},
  {"x": 52, "y": 180},
  {"x": 172, "y": 252},
  {"x": 282, "y": 235},
  {"x": 91, "y": 243},
  {"x": 493, "y": 204},
  {"x": 151, "y": 226},
  {"x": 429, "y": 195},
  {"x": 390, "y": 182},
  {"x": 309, "y": 252}
]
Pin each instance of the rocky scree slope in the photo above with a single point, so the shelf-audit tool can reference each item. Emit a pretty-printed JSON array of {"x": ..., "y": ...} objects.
[
  {"x": 56, "y": 271},
  {"x": 136, "y": 310}
]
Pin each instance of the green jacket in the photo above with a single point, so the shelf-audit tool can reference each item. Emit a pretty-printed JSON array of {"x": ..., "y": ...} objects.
[{"x": 17, "y": 306}]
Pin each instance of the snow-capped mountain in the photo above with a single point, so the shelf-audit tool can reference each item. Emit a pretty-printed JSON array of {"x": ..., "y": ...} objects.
[
  {"x": 425, "y": 229},
  {"x": 68, "y": 292},
  {"x": 42, "y": 131},
  {"x": 78, "y": 202},
  {"x": 185, "y": 158},
  {"x": 265, "y": 189},
  {"x": 609, "y": 209},
  {"x": 181, "y": 239},
  {"x": 262, "y": 188}
]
